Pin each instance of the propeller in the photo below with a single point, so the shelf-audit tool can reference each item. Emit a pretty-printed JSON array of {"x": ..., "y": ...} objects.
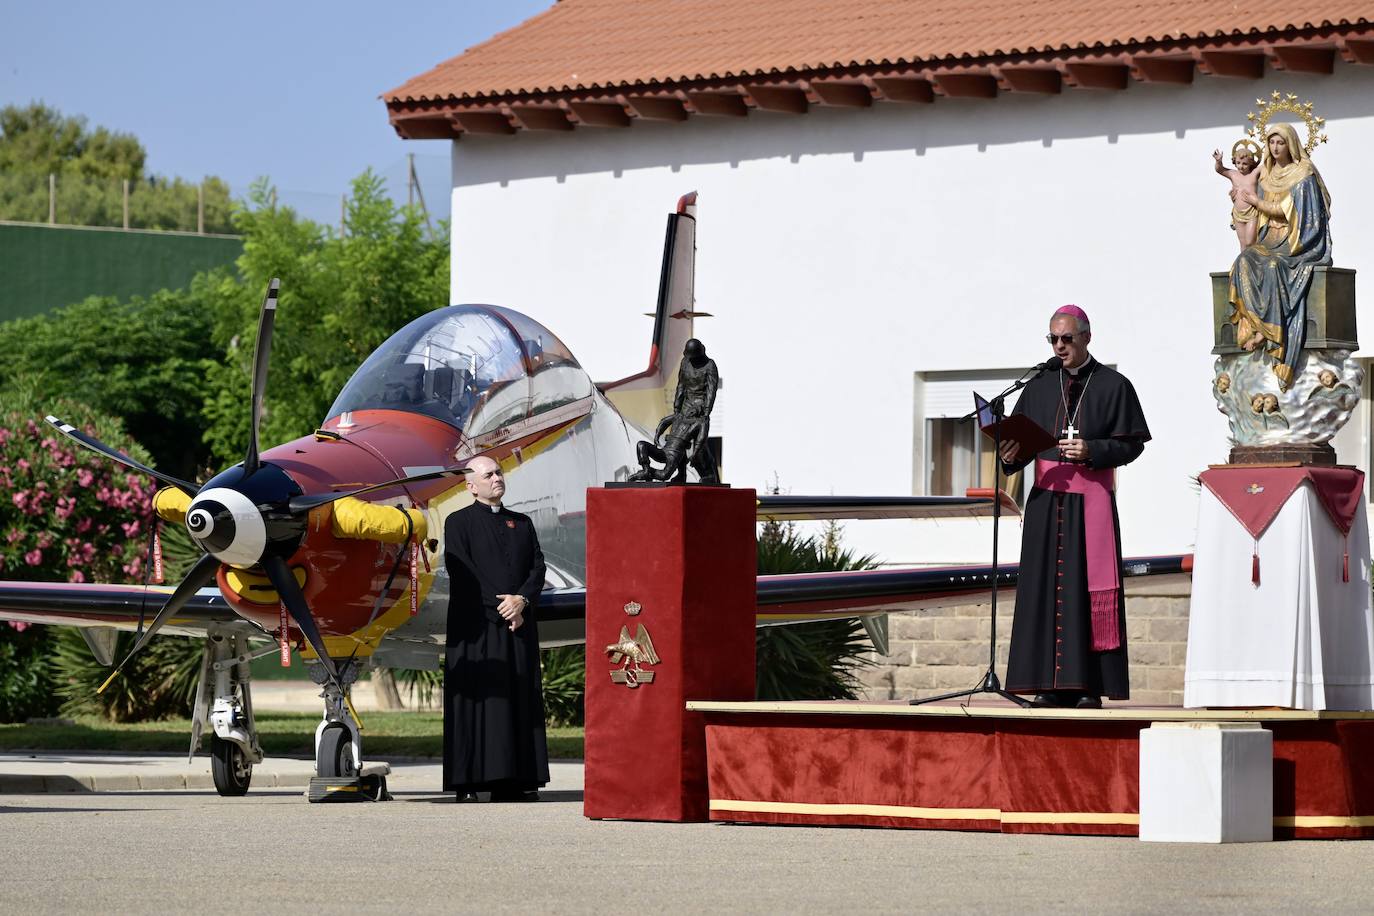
[
  {"x": 262, "y": 351},
  {"x": 95, "y": 445},
  {"x": 294, "y": 599},
  {"x": 201, "y": 574},
  {"x": 306, "y": 503},
  {"x": 251, "y": 515}
]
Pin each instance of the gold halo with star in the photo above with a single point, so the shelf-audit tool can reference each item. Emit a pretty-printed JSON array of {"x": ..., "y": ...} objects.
[{"x": 1278, "y": 102}]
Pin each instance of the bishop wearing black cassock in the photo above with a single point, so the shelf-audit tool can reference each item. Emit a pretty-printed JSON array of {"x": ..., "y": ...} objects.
[
  {"x": 493, "y": 702},
  {"x": 1068, "y": 637}
]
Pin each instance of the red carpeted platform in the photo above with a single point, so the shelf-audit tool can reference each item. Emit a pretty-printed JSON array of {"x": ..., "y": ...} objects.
[{"x": 996, "y": 767}]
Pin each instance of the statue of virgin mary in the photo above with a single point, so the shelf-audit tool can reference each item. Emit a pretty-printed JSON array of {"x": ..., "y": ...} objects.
[{"x": 1270, "y": 279}]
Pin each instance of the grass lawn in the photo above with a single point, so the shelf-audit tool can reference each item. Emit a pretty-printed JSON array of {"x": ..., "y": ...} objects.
[{"x": 283, "y": 734}]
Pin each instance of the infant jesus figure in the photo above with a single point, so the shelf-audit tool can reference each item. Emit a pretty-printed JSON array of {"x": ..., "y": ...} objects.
[{"x": 1244, "y": 177}]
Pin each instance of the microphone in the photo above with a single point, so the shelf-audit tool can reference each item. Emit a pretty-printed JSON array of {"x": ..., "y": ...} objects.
[{"x": 1052, "y": 364}]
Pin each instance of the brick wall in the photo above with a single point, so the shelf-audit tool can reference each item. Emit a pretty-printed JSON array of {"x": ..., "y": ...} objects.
[{"x": 940, "y": 650}]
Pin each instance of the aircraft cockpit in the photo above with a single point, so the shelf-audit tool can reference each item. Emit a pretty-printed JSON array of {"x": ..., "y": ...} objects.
[{"x": 477, "y": 367}]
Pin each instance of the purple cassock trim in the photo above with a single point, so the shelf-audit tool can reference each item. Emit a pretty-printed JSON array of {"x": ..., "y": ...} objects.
[{"x": 1104, "y": 574}]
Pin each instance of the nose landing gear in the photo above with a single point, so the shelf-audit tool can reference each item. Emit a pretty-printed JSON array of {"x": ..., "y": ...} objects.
[{"x": 340, "y": 774}]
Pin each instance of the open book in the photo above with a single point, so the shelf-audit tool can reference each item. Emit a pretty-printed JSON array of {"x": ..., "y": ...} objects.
[{"x": 1033, "y": 437}]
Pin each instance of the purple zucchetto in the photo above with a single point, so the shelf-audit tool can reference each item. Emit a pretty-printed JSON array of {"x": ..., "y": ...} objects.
[{"x": 1073, "y": 310}]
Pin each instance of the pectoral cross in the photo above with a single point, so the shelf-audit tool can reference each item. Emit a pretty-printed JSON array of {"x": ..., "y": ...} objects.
[{"x": 1070, "y": 431}]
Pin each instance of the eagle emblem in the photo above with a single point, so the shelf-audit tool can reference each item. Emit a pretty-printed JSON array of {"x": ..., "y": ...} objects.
[{"x": 631, "y": 654}]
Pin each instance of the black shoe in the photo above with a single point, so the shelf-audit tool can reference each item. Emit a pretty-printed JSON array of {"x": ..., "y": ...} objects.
[
  {"x": 1054, "y": 699},
  {"x": 515, "y": 796},
  {"x": 466, "y": 797},
  {"x": 1088, "y": 701}
]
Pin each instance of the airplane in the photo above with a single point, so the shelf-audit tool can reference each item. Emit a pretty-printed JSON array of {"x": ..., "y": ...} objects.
[{"x": 333, "y": 543}]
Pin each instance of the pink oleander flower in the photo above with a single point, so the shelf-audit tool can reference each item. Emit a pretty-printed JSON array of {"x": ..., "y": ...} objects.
[
  {"x": 131, "y": 529},
  {"x": 4, "y": 436},
  {"x": 22, "y": 464},
  {"x": 84, "y": 525},
  {"x": 84, "y": 477},
  {"x": 18, "y": 625},
  {"x": 45, "y": 540},
  {"x": 33, "y": 557},
  {"x": 14, "y": 535},
  {"x": 21, "y": 499},
  {"x": 76, "y": 575}
]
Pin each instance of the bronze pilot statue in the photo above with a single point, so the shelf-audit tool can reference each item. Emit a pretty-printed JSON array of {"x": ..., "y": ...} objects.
[{"x": 688, "y": 427}]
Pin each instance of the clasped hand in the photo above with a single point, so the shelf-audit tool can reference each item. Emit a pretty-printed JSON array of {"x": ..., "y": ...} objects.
[
  {"x": 1070, "y": 449},
  {"x": 512, "y": 610}
]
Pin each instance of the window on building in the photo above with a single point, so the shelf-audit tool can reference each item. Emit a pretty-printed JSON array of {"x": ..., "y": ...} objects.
[{"x": 955, "y": 455}]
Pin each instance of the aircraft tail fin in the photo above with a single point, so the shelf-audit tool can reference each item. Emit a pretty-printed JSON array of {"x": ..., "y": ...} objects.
[{"x": 646, "y": 397}]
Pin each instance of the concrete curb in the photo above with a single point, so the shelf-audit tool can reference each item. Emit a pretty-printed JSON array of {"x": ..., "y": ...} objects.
[{"x": 31, "y": 783}]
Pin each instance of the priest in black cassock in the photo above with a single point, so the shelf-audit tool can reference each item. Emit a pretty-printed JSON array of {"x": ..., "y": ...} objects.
[
  {"x": 493, "y": 702},
  {"x": 1068, "y": 635}
]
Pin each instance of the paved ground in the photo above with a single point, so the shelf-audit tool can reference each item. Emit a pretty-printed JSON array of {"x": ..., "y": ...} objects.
[{"x": 173, "y": 851}]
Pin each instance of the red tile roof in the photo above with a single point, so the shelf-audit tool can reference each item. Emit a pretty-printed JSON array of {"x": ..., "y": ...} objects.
[
  {"x": 582, "y": 44},
  {"x": 585, "y": 49}
]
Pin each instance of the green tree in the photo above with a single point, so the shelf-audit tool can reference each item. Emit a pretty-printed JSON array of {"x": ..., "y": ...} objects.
[
  {"x": 37, "y": 138},
  {"x": 143, "y": 360},
  {"x": 91, "y": 165},
  {"x": 341, "y": 297}
]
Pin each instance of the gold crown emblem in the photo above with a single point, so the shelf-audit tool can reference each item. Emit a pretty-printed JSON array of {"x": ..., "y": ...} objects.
[
  {"x": 1278, "y": 102},
  {"x": 633, "y": 608}
]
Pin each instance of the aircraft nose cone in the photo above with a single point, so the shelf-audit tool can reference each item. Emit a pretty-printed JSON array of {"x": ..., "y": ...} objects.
[{"x": 226, "y": 523}]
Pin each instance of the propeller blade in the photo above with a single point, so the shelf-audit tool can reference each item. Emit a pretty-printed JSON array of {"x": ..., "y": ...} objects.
[
  {"x": 202, "y": 574},
  {"x": 312, "y": 500},
  {"x": 95, "y": 445},
  {"x": 291, "y": 595},
  {"x": 262, "y": 352}
]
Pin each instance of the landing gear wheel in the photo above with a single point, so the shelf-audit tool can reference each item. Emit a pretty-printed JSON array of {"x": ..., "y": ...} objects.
[
  {"x": 230, "y": 767},
  {"x": 334, "y": 759}
]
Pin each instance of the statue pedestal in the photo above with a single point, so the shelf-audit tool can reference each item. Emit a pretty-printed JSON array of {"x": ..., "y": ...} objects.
[
  {"x": 1281, "y": 613},
  {"x": 671, "y": 601},
  {"x": 1268, "y": 423}
]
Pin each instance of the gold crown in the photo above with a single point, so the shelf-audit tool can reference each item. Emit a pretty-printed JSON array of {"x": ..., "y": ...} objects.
[
  {"x": 1246, "y": 145},
  {"x": 1278, "y": 102}
]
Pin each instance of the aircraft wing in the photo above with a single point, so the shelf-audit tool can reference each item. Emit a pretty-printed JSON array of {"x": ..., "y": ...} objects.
[
  {"x": 84, "y": 604},
  {"x": 859, "y": 593},
  {"x": 780, "y": 508},
  {"x": 563, "y": 611}
]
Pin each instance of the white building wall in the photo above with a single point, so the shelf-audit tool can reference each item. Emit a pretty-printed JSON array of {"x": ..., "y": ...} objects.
[{"x": 846, "y": 251}]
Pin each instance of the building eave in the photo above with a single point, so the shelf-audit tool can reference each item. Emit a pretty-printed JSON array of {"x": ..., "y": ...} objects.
[{"x": 1309, "y": 49}]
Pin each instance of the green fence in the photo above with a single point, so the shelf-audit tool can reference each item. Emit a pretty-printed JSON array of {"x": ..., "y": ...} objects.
[{"x": 43, "y": 267}]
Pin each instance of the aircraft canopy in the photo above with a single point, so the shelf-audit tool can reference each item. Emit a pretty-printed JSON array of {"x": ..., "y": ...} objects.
[{"x": 476, "y": 367}]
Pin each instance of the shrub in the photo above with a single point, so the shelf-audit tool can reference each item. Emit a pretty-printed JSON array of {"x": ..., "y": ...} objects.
[
  {"x": 70, "y": 514},
  {"x": 810, "y": 661},
  {"x": 26, "y": 687}
]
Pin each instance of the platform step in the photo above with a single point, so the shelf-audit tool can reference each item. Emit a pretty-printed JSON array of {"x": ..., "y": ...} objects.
[{"x": 367, "y": 788}]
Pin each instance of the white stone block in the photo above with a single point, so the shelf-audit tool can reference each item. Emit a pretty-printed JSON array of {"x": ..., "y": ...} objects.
[{"x": 1206, "y": 782}]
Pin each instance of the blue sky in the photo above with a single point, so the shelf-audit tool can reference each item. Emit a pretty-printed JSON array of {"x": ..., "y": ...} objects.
[{"x": 287, "y": 89}]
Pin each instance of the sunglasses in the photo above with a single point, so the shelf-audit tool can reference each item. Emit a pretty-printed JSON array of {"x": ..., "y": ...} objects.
[{"x": 1066, "y": 338}]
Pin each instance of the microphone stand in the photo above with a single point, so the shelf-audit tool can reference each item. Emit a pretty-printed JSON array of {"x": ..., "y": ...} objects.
[{"x": 990, "y": 683}]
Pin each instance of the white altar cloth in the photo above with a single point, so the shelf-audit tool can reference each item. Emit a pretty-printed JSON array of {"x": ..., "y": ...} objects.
[{"x": 1302, "y": 638}]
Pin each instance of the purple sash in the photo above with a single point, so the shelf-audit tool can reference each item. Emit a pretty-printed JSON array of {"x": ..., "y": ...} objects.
[{"x": 1104, "y": 572}]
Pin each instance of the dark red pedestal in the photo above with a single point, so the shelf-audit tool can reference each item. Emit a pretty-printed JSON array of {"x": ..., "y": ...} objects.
[{"x": 682, "y": 560}]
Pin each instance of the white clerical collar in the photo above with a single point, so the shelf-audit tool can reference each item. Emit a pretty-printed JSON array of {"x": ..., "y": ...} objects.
[
  {"x": 1081, "y": 366},
  {"x": 495, "y": 508}
]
